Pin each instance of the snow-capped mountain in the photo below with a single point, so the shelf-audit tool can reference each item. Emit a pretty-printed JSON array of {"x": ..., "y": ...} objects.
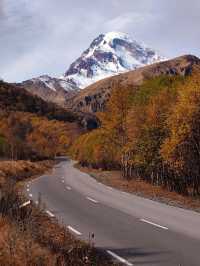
[
  {"x": 109, "y": 54},
  {"x": 53, "y": 84},
  {"x": 51, "y": 89}
]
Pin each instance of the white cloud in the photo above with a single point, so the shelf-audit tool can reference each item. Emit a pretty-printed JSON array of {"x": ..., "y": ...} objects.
[{"x": 129, "y": 20}]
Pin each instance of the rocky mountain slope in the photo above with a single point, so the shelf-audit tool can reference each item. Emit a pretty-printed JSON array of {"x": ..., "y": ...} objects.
[
  {"x": 109, "y": 54},
  {"x": 14, "y": 98},
  {"x": 94, "y": 97},
  {"x": 51, "y": 89}
]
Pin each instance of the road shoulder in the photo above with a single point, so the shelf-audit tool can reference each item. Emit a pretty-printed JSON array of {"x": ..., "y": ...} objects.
[{"x": 141, "y": 188}]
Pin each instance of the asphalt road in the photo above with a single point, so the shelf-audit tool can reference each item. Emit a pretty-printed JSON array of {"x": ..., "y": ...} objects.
[{"x": 133, "y": 230}]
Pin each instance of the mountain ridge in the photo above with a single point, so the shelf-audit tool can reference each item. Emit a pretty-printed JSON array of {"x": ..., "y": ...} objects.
[
  {"x": 109, "y": 54},
  {"x": 51, "y": 89},
  {"x": 94, "y": 97}
]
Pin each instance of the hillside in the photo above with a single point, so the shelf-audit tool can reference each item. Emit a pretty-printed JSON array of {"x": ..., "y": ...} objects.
[
  {"x": 31, "y": 128},
  {"x": 14, "y": 98},
  {"x": 151, "y": 133},
  {"x": 94, "y": 97},
  {"x": 51, "y": 89}
]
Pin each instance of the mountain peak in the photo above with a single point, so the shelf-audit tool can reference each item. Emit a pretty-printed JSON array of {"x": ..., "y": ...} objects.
[
  {"x": 109, "y": 54},
  {"x": 109, "y": 36}
]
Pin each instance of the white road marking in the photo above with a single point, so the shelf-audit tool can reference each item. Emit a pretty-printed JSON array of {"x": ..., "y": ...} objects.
[
  {"x": 68, "y": 188},
  {"x": 37, "y": 202},
  {"x": 50, "y": 213},
  {"x": 74, "y": 230},
  {"x": 92, "y": 200},
  {"x": 157, "y": 225},
  {"x": 31, "y": 195},
  {"x": 120, "y": 259},
  {"x": 28, "y": 189},
  {"x": 25, "y": 204},
  {"x": 63, "y": 181},
  {"x": 28, "y": 185}
]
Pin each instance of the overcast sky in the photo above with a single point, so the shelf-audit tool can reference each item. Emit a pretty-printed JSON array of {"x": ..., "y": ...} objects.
[{"x": 44, "y": 36}]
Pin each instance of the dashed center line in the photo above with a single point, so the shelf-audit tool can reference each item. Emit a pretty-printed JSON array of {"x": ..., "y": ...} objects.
[
  {"x": 68, "y": 188},
  {"x": 50, "y": 213},
  {"x": 157, "y": 225},
  {"x": 74, "y": 230},
  {"x": 31, "y": 195},
  {"x": 92, "y": 200},
  {"x": 28, "y": 189},
  {"x": 120, "y": 259}
]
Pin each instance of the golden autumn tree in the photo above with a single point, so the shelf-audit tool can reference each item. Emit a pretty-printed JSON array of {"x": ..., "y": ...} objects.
[
  {"x": 146, "y": 127},
  {"x": 181, "y": 150},
  {"x": 15, "y": 127},
  {"x": 115, "y": 121},
  {"x": 147, "y": 131},
  {"x": 27, "y": 136},
  {"x": 49, "y": 138}
]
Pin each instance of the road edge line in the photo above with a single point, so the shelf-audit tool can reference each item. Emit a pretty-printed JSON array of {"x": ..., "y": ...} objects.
[{"x": 120, "y": 259}]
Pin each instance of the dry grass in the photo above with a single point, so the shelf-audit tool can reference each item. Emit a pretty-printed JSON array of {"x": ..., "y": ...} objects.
[
  {"x": 19, "y": 248},
  {"x": 38, "y": 240},
  {"x": 142, "y": 188},
  {"x": 21, "y": 170}
]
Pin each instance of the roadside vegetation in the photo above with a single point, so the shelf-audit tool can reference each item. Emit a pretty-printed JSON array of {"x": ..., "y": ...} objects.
[
  {"x": 32, "y": 133},
  {"x": 151, "y": 133},
  {"x": 27, "y": 235}
]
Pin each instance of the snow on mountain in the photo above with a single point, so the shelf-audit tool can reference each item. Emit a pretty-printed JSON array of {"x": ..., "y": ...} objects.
[
  {"x": 50, "y": 89},
  {"x": 109, "y": 54},
  {"x": 53, "y": 84}
]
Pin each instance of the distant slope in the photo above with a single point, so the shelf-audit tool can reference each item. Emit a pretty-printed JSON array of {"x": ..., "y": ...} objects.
[
  {"x": 109, "y": 54},
  {"x": 94, "y": 97},
  {"x": 14, "y": 98},
  {"x": 51, "y": 89}
]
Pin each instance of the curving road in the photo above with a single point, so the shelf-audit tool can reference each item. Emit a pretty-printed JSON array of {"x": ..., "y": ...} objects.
[{"x": 133, "y": 230}]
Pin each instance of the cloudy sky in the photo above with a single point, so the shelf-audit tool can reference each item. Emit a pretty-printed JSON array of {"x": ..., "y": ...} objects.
[{"x": 44, "y": 36}]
